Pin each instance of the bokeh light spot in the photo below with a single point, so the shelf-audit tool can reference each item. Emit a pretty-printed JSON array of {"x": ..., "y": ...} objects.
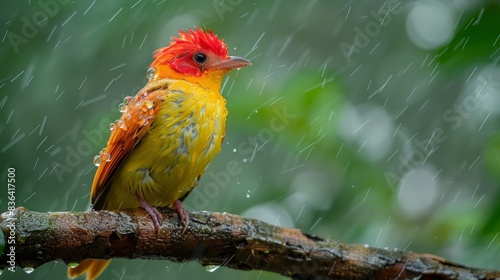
[{"x": 429, "y": 24}]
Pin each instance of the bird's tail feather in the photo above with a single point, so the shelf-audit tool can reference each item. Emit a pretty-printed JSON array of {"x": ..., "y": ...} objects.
[{"x": 93, "y": 268}]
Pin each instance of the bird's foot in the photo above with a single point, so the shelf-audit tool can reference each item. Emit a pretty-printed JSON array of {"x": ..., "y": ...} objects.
[
  {"x": 152, "y": 211},
  {"x": 183, "y": 215}
]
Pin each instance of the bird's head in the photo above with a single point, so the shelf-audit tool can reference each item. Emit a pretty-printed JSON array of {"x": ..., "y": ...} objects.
[{"x": 196, "y": 56}]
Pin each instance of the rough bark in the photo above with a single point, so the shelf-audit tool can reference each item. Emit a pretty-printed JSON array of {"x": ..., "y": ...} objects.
[{"x": 217, "y": 239}]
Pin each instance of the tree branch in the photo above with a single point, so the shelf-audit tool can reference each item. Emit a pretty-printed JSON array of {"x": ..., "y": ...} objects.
[{"x": 211, "y": 239}]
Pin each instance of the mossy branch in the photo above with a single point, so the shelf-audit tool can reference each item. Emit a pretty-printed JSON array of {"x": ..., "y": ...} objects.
[{"x": 211, "y": 239}]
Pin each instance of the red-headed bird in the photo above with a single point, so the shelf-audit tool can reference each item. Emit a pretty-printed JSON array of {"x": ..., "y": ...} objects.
[{"x": 168, "y": 133}]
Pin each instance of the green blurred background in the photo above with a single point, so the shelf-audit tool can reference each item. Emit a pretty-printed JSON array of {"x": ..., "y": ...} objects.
[{"x": 366, "y": 121}]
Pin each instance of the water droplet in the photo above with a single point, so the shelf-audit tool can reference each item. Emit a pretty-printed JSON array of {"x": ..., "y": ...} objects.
[
  {"x": 97, "y": 160},
  {"x": 235, "y": 150},
  {"x": 212, "y": 268},
  {"x": 127, "y": 99},
  {"x": 112, "y": 126},
  {"x": 121, "y": 124},
  {"x": 366, "y": 245},
  {"x": 151, "y": 73},
  {"x": 245, "y": 159},
  {"x": 122, "y": 107},
  {"x": 73, "y": 264},
  {"x": 28, "y": 269},
  {"x": 149, "y": 104},
  {"x": 105, "y": 156},
  {"x": 145, "y": 105},
  {"x": 248, "y": 194},
  {"x": 143, "y": 121},
  {"x": 39, "y": 255}
]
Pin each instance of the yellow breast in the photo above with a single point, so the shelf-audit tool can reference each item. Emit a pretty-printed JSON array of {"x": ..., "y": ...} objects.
[{"x": 185, "y": 135}]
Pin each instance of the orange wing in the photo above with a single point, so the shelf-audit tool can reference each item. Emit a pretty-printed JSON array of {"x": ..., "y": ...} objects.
[{"x": 138, "y": 114}]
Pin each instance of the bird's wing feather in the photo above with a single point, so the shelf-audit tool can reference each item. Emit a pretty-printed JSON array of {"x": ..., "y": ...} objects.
[{"x": 126, "y": 134}]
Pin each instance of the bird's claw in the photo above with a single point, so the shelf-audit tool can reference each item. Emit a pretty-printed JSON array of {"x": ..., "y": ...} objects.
[
  {"x": 152, "y": 211},
  {"x": 183, "y": 215}
]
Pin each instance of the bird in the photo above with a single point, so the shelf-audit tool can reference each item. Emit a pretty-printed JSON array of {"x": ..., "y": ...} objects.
[{"x": 167, "y": 134}]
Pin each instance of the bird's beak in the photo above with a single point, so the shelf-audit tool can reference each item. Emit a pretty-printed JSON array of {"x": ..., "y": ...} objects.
[{"x": 233, "y": 62}]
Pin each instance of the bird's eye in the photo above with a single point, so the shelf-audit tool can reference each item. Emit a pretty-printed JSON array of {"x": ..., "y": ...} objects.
[{"x": 200, "y": 58}]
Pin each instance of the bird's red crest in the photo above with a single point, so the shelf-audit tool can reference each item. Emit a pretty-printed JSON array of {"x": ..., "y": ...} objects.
[{"x": 190, "y": 42}]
